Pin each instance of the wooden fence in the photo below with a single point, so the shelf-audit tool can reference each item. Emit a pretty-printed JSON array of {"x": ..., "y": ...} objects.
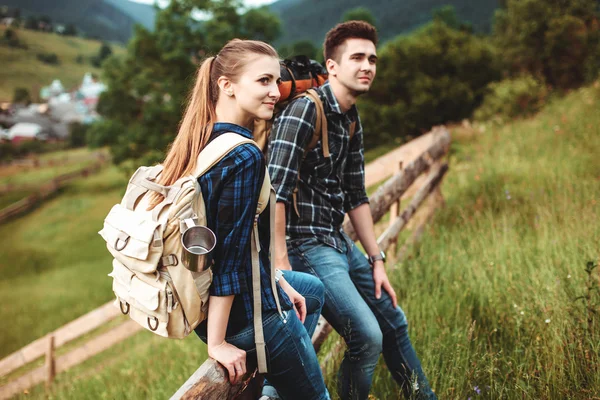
[
  {"x": 47, "y": 190},
  {"x": 419, "y": 181},
  {"x": 210, "y": 381},
  {"x": 47, "y": 345}
]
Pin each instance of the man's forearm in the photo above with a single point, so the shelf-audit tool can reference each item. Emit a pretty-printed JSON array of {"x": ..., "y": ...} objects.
[
  {"x": 362, "y": 221},
  {"x": 281, "y": 254}
]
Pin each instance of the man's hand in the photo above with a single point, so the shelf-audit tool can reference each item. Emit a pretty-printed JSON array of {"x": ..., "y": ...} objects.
[
  {"x": 381, "y": 280},
  {"x": 232, "y": 358},
  {"x": 297, "y": 299}
]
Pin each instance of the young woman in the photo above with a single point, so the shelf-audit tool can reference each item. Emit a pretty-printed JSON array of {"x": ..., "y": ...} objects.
[{"x": 232, "y": 89}]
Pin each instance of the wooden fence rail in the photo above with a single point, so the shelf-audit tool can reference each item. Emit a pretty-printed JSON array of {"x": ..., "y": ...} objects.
[
  {"x": 46, "y": 191},
  {"x": 210, "y": 381},
  {"x": 71, "y": 331}
]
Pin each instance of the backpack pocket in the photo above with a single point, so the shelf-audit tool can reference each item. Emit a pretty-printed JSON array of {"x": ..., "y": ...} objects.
[
  {"x": 133, "y": 239},
  {"x": 146, "y": 303}
]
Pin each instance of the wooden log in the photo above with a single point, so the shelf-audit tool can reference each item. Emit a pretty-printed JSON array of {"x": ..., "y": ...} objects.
[
  {"x": 393, "y": 188},
  {"x": 322, "y": 330},
  {"x": 434, "y": 201},
  {"x": 73, "y": 330},
  {"x": 382, "y": 168},
  {"x": 392, "y": 232},
  {"x": 210, "y": 382},
  {"x": 50, "y": 362},
  {"x": 394, "y": 212}
]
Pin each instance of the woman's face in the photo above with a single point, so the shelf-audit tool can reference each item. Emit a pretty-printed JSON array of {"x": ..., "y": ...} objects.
[{"x": 256, "y": 90}]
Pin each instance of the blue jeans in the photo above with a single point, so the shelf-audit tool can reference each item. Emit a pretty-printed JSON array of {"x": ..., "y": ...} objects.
[
  {"x": 291, "y": 359},
  {"x": 368, "y": 325}
]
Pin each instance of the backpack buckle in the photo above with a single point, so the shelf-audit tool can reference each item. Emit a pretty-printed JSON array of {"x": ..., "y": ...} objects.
[
  {"x": 126, "y": 311},
  {"x": 124, "y": 241},
  {"x": 150, "y": 325}
]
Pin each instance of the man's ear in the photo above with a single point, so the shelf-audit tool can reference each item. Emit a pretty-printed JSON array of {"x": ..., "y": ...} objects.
[
  {"x": 332, "y": 67},
  {"x": 225, "y": 85}
]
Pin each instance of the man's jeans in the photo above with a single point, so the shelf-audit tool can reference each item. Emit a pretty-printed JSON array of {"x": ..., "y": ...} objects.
[
  {"x": 291, "y": 359},
  {"x": 369, "y": 326}
]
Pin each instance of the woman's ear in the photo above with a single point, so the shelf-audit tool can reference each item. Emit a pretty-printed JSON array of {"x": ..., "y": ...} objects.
[{"x": 225, "y": 85}]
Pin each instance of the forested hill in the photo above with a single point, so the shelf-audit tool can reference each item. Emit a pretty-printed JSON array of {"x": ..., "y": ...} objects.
[
  {"x": 311, "y": 19},
  {"x": 111, "y": 20}
]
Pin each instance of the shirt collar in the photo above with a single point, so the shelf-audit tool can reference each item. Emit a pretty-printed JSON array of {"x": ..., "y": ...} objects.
[
  {"x": 223, "y": 127},
  {"x": 333, "y": 102}
]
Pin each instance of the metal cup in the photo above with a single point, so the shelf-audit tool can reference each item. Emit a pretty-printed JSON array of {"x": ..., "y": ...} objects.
[{"x": 198, "y": 241}]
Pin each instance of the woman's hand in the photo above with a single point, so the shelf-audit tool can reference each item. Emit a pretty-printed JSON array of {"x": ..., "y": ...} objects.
[
  {"x": 232, "y": 358},
  {"x": 297, "y": 299}
]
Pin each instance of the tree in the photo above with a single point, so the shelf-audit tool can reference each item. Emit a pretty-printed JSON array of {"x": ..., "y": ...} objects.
[
  {"x": 70, "y": 30},
  {"x": 147, "y": 87},
  {"x": 435, "y": 75},
  {"x": 555, "y": 41},
  {"x": 359, "y": 14},
  {"x": 261, "y": 24},
  {"x": 304, "y": 48},
  {"x": 21, "y": 96},
  {"x": 447, "y": 15}
]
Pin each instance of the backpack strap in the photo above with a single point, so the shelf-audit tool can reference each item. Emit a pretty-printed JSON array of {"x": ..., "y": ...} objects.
[
  {"x": 320, "y": 133},
  {"x": 267, "y": 196},
  {"x": 216, "y": 150}
]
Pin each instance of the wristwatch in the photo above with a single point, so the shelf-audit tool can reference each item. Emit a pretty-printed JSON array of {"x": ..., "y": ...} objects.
[
  {"x": 376, "y": 257},
  {"x": 278, "y": 274}
]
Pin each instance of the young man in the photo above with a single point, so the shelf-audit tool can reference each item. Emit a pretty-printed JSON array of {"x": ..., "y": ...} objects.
[{"x": 360, "y": 302}]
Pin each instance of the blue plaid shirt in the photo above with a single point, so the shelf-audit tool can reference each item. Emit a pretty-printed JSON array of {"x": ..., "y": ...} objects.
[
  {"x": 231, "y": 189},
  {"x": 327, "y": 187}
]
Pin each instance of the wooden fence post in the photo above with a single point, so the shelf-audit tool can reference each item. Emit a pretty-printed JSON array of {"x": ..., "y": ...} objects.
[
  {"x": 50, "y": 362},
  {"x": 394, "y": 213}
]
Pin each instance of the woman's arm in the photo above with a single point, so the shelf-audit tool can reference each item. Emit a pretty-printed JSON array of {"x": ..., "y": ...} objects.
[{"x": 231, "y": 357}]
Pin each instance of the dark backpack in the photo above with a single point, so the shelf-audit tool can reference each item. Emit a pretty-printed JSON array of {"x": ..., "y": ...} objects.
[{"x": 299, "y": 78}]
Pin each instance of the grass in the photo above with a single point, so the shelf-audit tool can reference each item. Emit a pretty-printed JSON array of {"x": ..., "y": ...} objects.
[
  {"x": 491, "y": 293},
  {"x": 21, "y": 68},
  {"x": 53, "y": 262}
]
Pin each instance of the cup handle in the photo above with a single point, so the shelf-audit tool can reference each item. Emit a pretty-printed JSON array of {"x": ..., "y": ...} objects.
[{"x": 190, "y": 222}]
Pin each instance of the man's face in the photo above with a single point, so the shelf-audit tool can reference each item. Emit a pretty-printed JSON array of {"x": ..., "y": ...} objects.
[{"x": 357, "y": 65}]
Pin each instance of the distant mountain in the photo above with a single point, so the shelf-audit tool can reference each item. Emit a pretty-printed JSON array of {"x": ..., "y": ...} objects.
[
  {"x": 143, "y": 14},
  {"x": 311, "y": 19},
  {"x": 110, "y": 20}
]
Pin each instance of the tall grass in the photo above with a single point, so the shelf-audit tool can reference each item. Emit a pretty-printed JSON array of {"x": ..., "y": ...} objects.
[{"x": 492, "y": 293}]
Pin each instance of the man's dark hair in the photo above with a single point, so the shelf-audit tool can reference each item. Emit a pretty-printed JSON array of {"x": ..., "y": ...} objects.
[{"x": 337, "y": 36}]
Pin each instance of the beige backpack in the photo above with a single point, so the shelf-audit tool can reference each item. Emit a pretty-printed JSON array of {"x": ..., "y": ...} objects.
[{"x": 149, "y": 279}]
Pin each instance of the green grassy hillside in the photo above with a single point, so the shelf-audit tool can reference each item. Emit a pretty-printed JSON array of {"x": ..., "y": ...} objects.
[
  {"x": 21, "y": 68},
  {"x": 491, "y": 293}
]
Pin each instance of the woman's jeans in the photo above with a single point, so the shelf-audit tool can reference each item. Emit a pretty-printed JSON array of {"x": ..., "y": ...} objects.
[
  {"x": 369, "y": 326},
  {"x": 291, "y": 359}
]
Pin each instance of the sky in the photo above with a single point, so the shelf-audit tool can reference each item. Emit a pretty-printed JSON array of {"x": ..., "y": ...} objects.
[{"x": 247, "y": 3}]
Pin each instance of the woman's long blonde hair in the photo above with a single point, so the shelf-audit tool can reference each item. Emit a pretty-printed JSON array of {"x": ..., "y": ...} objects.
[{"x": 199, "y": 118}]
